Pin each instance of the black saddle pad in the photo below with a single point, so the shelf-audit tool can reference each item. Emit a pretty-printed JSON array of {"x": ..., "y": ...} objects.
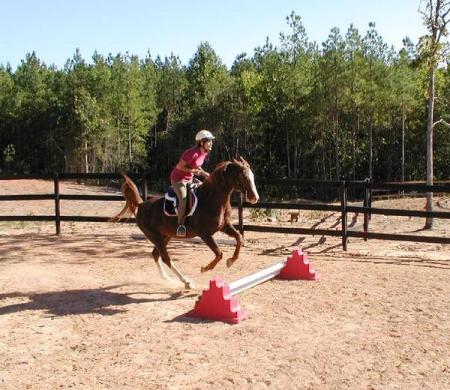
[{"x": 171, "y": 203}]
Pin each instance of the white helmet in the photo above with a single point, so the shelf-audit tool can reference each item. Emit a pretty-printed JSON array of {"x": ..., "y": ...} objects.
[{"x": 203, "y": 134}]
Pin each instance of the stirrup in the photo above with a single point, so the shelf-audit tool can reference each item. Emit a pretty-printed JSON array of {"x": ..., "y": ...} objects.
[{"x": 181, "y": 231}]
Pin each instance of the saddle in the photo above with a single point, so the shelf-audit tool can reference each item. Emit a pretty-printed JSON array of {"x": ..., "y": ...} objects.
[{"x": 171, "y": 201}]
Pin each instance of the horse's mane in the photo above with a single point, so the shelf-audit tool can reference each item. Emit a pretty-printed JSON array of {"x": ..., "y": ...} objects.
[
  {"x": 216, "y": 178},
  {"x": 216, "y": 181},
  {"x": 221, "y": 166}
]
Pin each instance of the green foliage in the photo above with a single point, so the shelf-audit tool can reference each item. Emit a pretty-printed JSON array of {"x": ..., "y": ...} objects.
[
  {"x": 258, "y": 214},
  {"x": 9, "y": 155},
  {"x": 299, "y": 110}
]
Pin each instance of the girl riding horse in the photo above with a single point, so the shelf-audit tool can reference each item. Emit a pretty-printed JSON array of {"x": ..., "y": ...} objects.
[
  {"x": 213, "y": 213},
  {"x": 190, "y": 164}
]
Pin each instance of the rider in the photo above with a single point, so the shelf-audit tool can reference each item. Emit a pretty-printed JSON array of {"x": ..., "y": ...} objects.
[{"x": 190, "y": 164}]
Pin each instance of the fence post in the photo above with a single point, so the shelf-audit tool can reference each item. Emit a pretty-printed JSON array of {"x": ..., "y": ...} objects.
[
  {"x": 241, "y": 213},
  {"x": 57, "y": 205},
  {"x": 343, "y": 194}
]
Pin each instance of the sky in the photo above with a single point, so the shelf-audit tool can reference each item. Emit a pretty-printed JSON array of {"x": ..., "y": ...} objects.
[{"x": 54, "y": 29}]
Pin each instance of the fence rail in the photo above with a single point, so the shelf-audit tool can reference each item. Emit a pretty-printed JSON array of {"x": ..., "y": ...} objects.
[{"x": 341, "y": 186}]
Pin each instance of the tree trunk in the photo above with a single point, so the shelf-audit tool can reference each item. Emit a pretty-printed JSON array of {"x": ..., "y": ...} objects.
[
  {"x": 288, "y": 156},
  {"x": 355, "y": 132},
  {"x": 296, "y": 167},
  {"x": 86, "y": 158},
  {"x": 119, "y": 145},
  {"x": 429, "y": 205},
  {"x": 324, "y": 160},
  {"x": 370, "y": 150},
  {"x": 130, "y": 153},
  {"x": 403, "y": 142},
  {"x": 353, "y": 154},
  {"x": 337, "y": 146},
  {"x": 295, "y": 164}
]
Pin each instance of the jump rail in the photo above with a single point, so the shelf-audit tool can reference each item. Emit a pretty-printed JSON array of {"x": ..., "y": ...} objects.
[
  {"x": 219, "y": 303},
  {"x": 256, "y": 278}
]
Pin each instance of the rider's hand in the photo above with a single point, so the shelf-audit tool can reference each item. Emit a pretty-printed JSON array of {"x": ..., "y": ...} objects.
[{"x": 203, "y": 173}]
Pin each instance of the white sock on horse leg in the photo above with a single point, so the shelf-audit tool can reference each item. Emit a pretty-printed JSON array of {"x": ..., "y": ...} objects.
[
  {"x": 161, "y": 270},
  {"x": 180, "y": 276}
]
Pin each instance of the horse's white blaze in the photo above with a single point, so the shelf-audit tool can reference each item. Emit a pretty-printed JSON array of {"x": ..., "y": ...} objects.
[{"x": 251, "y": 176}]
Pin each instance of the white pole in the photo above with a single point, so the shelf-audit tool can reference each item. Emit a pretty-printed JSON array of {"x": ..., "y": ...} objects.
[{"x": 256, "y": 278}]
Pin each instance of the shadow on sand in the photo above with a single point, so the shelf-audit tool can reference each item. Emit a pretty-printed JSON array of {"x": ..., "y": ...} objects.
[{"x": 101, "y": 301}]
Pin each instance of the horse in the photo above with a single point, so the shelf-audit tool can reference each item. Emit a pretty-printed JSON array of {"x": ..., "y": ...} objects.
[{"x": 213, "y": 214}]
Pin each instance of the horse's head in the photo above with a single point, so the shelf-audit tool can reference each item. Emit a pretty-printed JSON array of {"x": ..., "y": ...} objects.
[{"x": 239, "y": 176}]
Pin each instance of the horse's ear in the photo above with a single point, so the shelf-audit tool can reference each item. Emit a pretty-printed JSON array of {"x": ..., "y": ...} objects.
[
  {"x": 241, "y": 162},
  {"x": 225, "y": 166},
  {"x": 226, "y": 172}
]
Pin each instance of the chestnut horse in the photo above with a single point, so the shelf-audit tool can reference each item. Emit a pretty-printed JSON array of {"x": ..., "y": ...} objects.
[{"x": 213, "y": 213}]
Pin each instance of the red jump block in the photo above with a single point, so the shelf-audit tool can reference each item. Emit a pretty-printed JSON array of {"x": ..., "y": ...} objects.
[
  {"x": 298, "y": 267},
  {"x": 218, "y": 304}
]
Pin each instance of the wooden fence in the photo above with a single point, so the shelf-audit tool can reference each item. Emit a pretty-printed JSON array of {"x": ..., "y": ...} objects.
[{"x": 365, "y": 187}]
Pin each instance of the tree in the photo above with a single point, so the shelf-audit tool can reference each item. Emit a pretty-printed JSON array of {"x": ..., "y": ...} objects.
[
  {"x": 6, "y": 117},
  {"x": 431, "y": 47},
  {"x": 354, "y": 98},
  {"x": 404, "y": 83},
  {"x": 245, "y": 105},
  {"x": 81, "y": 113},
  {"x": 170, "y": 89},
  {"x": 33, "y": 115},
  {"x": 270, "y": 117},
  {"x": 333, "y": 79},
  {"x": 374, "y": 51},
  {"x": 442, "y": 134},
  {"x": 296, "y": 86},
  {"x": 207, "y": 77}
]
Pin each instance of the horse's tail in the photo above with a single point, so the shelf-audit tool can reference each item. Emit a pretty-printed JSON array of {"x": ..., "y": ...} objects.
[{"x": 132, "y": 198}]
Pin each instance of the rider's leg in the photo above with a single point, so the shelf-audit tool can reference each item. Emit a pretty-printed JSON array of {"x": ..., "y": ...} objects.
[{"x": 181, "y": 191}]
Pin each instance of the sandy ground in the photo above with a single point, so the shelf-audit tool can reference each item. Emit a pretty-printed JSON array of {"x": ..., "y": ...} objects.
[{"x": 88, "y": 310}]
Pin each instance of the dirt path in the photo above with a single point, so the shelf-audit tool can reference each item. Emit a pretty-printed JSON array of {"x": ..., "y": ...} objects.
[{"x": 88, "y": 310}]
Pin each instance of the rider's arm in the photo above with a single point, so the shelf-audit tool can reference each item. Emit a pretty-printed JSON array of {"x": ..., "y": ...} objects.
[{"x": 185, "y": 167}]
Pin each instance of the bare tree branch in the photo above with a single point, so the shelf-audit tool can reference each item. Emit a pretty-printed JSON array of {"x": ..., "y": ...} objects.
[{"x": 441, "y": 121}]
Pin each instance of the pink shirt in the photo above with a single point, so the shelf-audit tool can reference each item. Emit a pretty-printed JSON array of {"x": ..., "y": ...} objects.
[{"x": 195, "y": 158}]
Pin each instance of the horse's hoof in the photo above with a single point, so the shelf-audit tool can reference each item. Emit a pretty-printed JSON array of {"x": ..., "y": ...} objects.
[
  {"x": 204, "y": 269},
  {"x": 188, "y": 285},
  {"x": 230, "y": 261}
]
